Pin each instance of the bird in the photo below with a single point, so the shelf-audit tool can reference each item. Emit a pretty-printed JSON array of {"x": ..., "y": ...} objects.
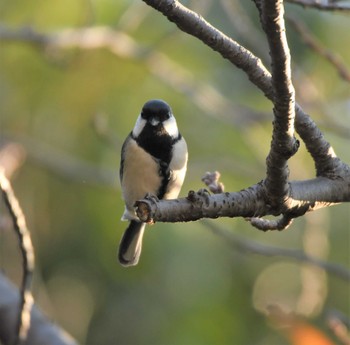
[{"x": 153, "y": 162}]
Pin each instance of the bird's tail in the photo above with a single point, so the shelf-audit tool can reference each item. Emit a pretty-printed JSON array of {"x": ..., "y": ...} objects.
[{"x": 131, "y": 244}]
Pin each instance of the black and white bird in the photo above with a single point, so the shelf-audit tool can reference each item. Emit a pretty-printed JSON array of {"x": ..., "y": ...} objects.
[{"x": 153, "y": 161}]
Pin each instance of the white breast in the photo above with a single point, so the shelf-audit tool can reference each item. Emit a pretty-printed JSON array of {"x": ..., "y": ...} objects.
[{"x": 140, "y": 176}]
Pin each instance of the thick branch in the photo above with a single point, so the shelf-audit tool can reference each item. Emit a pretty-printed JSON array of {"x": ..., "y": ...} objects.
[
  {"x": 42, "y": 331},
  {"x": 249, "y": 203},
  {"x": 321, "y": 190},
  {"x": 283, "y": 144}
]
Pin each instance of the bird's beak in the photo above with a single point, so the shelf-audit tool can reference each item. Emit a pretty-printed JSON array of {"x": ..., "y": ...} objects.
[{"x": 154, "y": 122}]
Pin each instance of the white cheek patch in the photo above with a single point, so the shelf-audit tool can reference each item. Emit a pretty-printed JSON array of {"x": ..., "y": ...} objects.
[
  {"x": 139, "y": 125},
  {"x": 178, "y": 167},
  {"x": 171, "y": 127}
]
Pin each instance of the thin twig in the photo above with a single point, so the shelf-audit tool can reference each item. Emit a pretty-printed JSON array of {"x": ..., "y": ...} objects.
[
  {"x": 245, "y": 27},
  {"x": 310, "y": 40},
  {"x": 324, "y": 6},
  {"x": 27, "y": 250}
]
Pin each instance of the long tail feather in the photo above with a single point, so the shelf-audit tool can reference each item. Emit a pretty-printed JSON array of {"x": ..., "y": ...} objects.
[{"x": 131, "y": 244}]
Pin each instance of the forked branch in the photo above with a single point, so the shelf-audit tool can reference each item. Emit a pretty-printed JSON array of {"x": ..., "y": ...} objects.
[{"x": 193, "y": 24}]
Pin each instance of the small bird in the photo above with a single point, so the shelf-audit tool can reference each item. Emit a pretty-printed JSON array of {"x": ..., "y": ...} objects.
[{"x": 153, "y": 162}]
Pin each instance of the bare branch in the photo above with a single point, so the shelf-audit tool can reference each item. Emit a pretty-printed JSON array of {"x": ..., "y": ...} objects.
[
  {"x": 251, "y": 202},
  {"x": 244, "y": 26},
  {"x": 287, "y": 198},
  {"x": 195, "y": 25},
  {"x": 192, "y": 23},
  {"x": 246, "y": 203},
  {"x": 327, "y": 163},
  {"x": 318, "y": 48},
  {"x": 336, "y": 173},
  {"x": 283, "y": 144},
  {"x": 25, "y": 242},
  {"x": 41, "y": 331},
  {"x": 324, "y": 5}
]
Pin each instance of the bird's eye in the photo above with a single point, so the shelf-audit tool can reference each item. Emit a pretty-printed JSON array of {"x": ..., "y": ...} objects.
[
  {"x": 163, "y": 116},
  {"x": 146, "y": 115},
  {"x": 158, "y": 116}
]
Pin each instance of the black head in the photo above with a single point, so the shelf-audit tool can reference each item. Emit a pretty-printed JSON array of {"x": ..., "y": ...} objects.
[
  {"x": 156, "y": 130},
  {"x": 156, "y": 109}
]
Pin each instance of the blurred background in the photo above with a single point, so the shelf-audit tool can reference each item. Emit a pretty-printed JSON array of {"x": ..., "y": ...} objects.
[{"x": 65, "y": 109}]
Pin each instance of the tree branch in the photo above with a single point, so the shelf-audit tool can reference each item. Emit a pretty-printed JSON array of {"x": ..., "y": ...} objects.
[
  {"x": 195, "y": 25},
  {"x": 329, "y": 187},
  {"x": 244, "y": 26},
  {"x": 251, "y": 202},
  {"x": 283, "y": 145},
  {"x": 192, "y": 23},
  {"x": 41, "y": 331},
  {"x": 311, "y": 41},
  {"x": 26, "y": 246},
  {"x": 325, "y": 6},
  {"x": 246, "y": 203}
]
